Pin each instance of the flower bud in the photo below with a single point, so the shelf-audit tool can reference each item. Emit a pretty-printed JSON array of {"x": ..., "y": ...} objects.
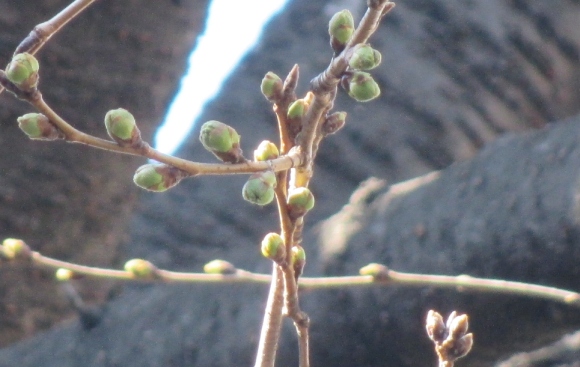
[
  {"x": 298, "y": 260},
  {"x": 333, "y": 123},
  {"x": 219, "y": 267},
  {"x": 361, "y": 86},
  {"x": 273, "y": 248},
  {"x": 38, "y": 127},
  {"x": 158, "y": 177},
  {"x": 63, "y": 275},
  {"x": 13, "y": 248},
  {"x": 297, "y": 109},
  {"x": 364, "y": 57},
  {"x": 340, "y": 28},
  {"x": 300, "y": 201},
  {"x": 122, "y": 128},
  {"x": 140, "y": 268},
  {"x": 259, "y": 189},
  {"x": 23, "y": 71},
  {"x": 377, "y": 271},
  {"x": 222, "y": 140},
  {"x": 272, "y": 86},
  {"x": 266, "y": 151}
]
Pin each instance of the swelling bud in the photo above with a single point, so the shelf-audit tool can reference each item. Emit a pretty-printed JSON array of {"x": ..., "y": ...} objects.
[
  {"x": 23, "y": 71},
  {"x": 221, "y": 140},
  {"x": 63, "y": 275},
  {"x": 361, "y": 86},
  {"x": 122, "y": 128},
  {"x": 364, "y": 57},
  {"x": 300, "y": 201},
  {"x": 266, "y": 151},
  {"x": 340, "y": 28},
  {"x": 259, "y": 189},
  {"x": 333, "y": 123},
  {"x": 158, "y": 177},
  {"x": 13, "y": 248},
  {"x": 272, "y": 86},
  {"x": 219, "y": 267},
  {"x": 273, "y": 248},
  {"x": 140, "y": 268},
  {"x": 38, "y": 127},
  {"x": 298, "y": 260}
]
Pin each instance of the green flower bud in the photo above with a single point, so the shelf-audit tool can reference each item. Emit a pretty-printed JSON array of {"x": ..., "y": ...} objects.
[
  {"x": 272, "y": 86},
  {"x": 266, "y": 151},
  {"x": 13, "y": 248},
  {"x": 23, "y": 71},
  {"x": 37, "y": 126},
  {"x": 273, "y": 248},
  {"x": 377, "y": 271},
  {"x": 333, "y": 123},
  {"x": 259, "y": 189},
  {"x": 63, "y": 275},
  {"x": 222, "y": 140},
  {"x": 300, "y": 201},
  {"x": 158, "y": 177},
  {"x": 122, "y": 128},
  {"x": 297, "y": 109},
  {"x": 298, "y": 260},
  {"x": 219, "y": 267},
  {"x": 361, "y": 86},
  {"x": 364, "y": 57},
  {"x": 340, "y": 28},
  {"x": 140, "y": 268}
]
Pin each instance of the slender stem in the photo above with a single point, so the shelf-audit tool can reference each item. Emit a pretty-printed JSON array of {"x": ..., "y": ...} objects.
[
  {"x": 463, "y": 283},
  {"x": 73, "y": 135},
  {"x": 272, "y": 323},
  {"x": 303, "y": 344}
]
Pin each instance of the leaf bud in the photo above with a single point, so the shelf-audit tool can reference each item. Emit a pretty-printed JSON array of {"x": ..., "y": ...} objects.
[
  {"x": 333, "y": 122},
  {"x": 298, "y": 260},
  {"x": 300, "y": 201},
  {"x": 272, "y": 86},
  {"x": 259, "y": 189},
  {"x": 462, "y": 346},
  {"x": 38, "y": 127},
  {"x": 219, "y": 267},
  {"x": 23, "y": 71},
  {"x": 221, "y": 140},
  {"x": 158, "y": 177},
  {"x": 340, "y": 28},
  {"x": 364, "y": 57},
  {"x": 377, "y": 271},
  {"x": 266, "y": 151},
  {"x": 13, "y": 248},
  {"x": 458, "y": 326},
  {"x": 436, "y": 329},
  {"x": 63, "y": 275},
  {"x": 273, "y": 248},
  {"x": 140, "y": 268},
  {"x": 122, "y": 128},
  {"x": 361, "y": 86}
]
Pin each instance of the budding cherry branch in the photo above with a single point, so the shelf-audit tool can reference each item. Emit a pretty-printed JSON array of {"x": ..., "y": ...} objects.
[{"x": 280, "y": 172}]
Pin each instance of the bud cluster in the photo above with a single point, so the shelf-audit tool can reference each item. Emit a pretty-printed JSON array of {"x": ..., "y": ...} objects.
[
  {"x": 158, "y": 177},
  {"x": 451, "y": 339},
  {"x": 273, "y": 248},
  {"x": 23, "y": 71},
  {"x": 38, "y": 127},
  {"x": 122, "y": 128},
  {"x": 141, "y": 269}
]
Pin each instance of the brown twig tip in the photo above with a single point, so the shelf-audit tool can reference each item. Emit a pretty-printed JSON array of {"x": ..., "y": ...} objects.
[{"x": 451, "y": 339}]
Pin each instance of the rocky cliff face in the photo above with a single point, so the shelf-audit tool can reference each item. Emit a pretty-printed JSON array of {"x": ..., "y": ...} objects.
[{"x": 455, "y": 76}]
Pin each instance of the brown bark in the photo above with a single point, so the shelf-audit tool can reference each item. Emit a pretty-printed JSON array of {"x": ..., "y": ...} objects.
[{"x": 69, "y": 201}]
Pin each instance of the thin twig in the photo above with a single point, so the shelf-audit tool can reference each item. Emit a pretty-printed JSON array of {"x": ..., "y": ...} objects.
[
  {"x": 41, "y": 33},
  {"x": 272, "y": 323},
  {"x": 464, "y": 283}
]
